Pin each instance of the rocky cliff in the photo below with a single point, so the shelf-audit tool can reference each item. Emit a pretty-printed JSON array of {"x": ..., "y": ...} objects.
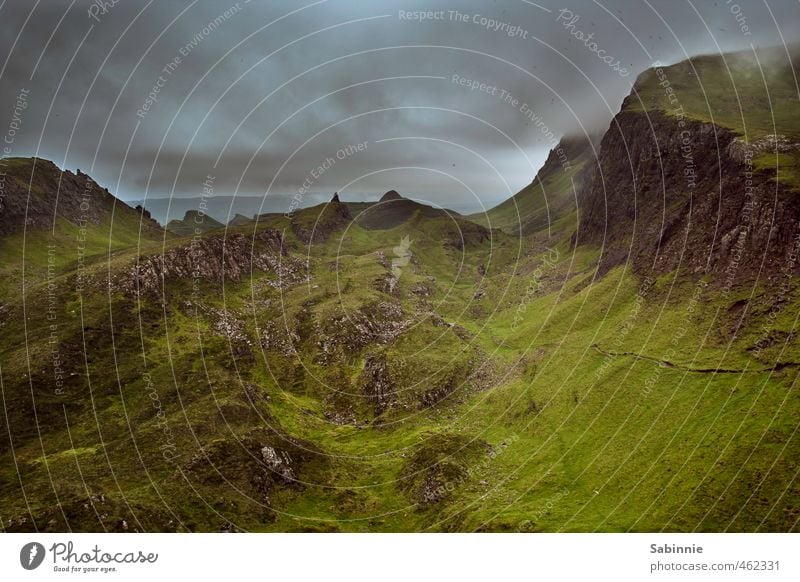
[{"x": 672, "y": 192}]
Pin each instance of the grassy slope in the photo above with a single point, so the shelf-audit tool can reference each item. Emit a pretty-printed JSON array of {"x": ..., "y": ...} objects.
[
  {"x": 571, "y": 448},
  {"x": 537, "y": 206}
]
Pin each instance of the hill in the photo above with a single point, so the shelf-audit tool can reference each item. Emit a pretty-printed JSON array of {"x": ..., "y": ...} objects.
[
  {"x": 672, "y": 189},
  {"x": 54, "y": 219},
  {"x": 551, "y": 195},
  {"x": 393, "y": 209},
  {"x": 195, "y": 222},
  {"x": 218, "y": 206}
]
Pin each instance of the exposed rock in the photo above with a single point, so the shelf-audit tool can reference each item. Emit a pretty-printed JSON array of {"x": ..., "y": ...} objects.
[
  {"x": 257, "y": 462},
  {"x": 215, "y": 259},
  {"x": 739, "y": 149},
  {"x": 349, "y": 333},
  {"x": 230, "y": 326},
  {"x": 276, "y": 337},
  {"x": 377, "y": 384},
  {"x": 440, "y": 465},
  {"x": 279, "y": 463},
  {"x": 422, "y": 290},
  {"x": 672, "y": 192}
]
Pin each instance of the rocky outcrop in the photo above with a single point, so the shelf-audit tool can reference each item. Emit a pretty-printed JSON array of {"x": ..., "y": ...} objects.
[
  {"x": 740, "y": 149},
  {"x": 279, "y": 462},
  {"x": 564, "y": 155},
  {"x": 256, "y": 462},
  {"x": 346, "y": 335},
  {"x": 672, "y": 192},
  {"x": 276, "y": 337},
  {"x": 440, "y": 465},
  {"x": 215, "y": 259},
  {"x": 317, "y": 224},
  {"x": 377, "y": 383}
]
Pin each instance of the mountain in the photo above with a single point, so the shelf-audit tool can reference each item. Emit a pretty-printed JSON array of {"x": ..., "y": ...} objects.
[
  {"x": 551, "y": 196},
  {"x": 38, "y": 195},
  {"x": 391, "y": 195},
  {"x": 601, "y": 361},
  {"x": 698, "y": 171},
  {"x": 54, "y": 218},
  {"x": 392, "y": 210},
  {"x": 219, "y": 207},
  {"x": 240, "y": 220},
  {"x": 195, "y": 222}
]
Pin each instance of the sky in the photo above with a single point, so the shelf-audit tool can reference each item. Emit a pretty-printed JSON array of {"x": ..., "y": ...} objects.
[{"x": 455, "y": 103}]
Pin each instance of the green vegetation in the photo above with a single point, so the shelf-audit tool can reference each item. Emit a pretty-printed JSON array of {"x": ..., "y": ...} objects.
[
  {"x": 539, "y": 406},
  {"x": 751, "y": 95},
  {"x": 537, "y": 206}
]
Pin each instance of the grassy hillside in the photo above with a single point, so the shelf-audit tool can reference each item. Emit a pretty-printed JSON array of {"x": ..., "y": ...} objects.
[
  {"x": 521, "y": 395},
  {"x": 56, "y": 237},
  {"x": 754, "y": 94},
  {"x": 549, "y": 197},
  {"x": 537, "y": 206}
]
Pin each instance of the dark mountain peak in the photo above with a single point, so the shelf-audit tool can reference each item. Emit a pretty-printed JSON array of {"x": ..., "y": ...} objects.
[
  {"x": 670, "y": 208},
  {"x": 143, "y": 211},
  {"x": 193, "y": 222},
  {"x": 564, "y": 155},
  {"x": 391, "y": 195},
  {"x": 36, "y": 191},
  {"x": 335, "y": 197},
  {"x": 200, "y": 217}
]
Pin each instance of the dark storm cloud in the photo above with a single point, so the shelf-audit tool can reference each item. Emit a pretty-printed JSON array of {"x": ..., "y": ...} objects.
[{"x": 264, "y": 93}]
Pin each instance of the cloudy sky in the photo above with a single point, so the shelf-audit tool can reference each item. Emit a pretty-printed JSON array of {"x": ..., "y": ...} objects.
[{"x": 458, "y": 107}]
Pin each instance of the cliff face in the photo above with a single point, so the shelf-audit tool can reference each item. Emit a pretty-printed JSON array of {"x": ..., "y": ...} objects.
[
  {"x": 670, "y": 192},
  {"x": 565, "y": 154}
]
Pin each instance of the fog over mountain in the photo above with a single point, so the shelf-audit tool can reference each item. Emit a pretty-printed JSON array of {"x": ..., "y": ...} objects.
[{"x": 456, "y": 103}]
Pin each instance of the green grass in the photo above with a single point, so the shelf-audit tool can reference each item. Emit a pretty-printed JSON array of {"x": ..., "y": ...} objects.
[
  {"x": 537, "y": 206},
  {"x": 564, "y": 438},
  {"x": 752, "y": 96}
]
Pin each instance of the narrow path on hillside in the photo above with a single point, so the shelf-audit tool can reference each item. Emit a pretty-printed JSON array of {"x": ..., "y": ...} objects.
[{"x": 667, "y": 364}]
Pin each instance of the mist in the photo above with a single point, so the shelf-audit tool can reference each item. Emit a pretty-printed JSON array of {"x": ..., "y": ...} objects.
[{"x": 457, "y": 104}]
